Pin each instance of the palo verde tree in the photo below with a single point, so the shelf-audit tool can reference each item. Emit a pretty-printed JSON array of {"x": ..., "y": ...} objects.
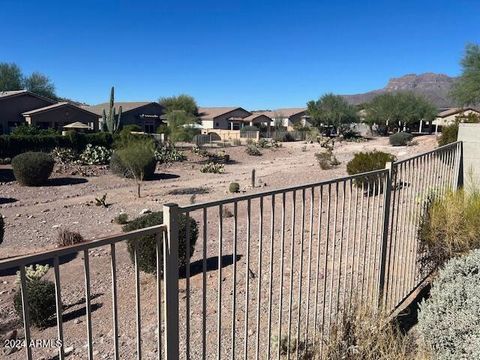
[
  {"x": 112, "y": 121},
  {"x": 466, "y": 90},
  {"x": 181, "y": 115},
  {"x": 182, "y": 102},
  {"x": 331, "y": 111},
  {"x": 399, "y": 110}
]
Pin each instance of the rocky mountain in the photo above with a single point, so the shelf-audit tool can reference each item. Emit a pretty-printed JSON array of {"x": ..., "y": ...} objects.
[{"x": 435, "y": 87}]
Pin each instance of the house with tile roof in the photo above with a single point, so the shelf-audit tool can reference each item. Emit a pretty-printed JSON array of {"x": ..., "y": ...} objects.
[
  {"x": 24, "y": 107},
  {"x": 146, "y": 114},
  {"x": 224, "y": 118}
]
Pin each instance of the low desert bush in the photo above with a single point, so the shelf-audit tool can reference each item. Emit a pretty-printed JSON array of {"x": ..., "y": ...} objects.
[
  {"x": 2, "y": 228},
  {"x": 365, "y": 162},
  {"x": 95, "y": 155},
  {"x": 253, "y": 150},
  {"x": 234, "y": 187},
  {"x": 189, "y": 191},
  {"x": 449, "y": 134},
  {"x": 121, "y": 219},
  {"x": 67, "y": 238},
  {"x": 213, "y": 168},
  {"x": 326, "y": 160},
  {"x": 135, "y": 160},
  {"x": 32, "y": 168},
  {"x": 64, "y": 155},
  {"x": 40, "y": 294},
  {"x": 367, "y": 335},
  {"x": 400, "y": 139},
  {"x": 146, "y": 245},
  {"x": 449, "y": 227},
  {"x": 449, "y": 321},
  {"x": 169, "y": 154}
]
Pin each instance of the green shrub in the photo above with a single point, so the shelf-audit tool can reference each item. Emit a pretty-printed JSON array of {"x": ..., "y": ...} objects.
[
  {"x": 95, "y": 155},
  {"x": 32, "y": 130},
  {"x": 449, "y": 134},
  {"x": 449, "y": 227},
  {"x": 449, "y": 321},
  {"x": 213, "y": 168},
  {"x": 2, "y": 228},
  {"x": 327, "y": 160},
  {"x": 121, "y": 219},
  {"x": 136, "y": 160},
  {"x": 368, "y": 161},
  {"x": 64, "y": 155},
  {"x": 146, "y": 246},
  {"x": 169, "y": 154},
  {"x": 32, "y": 168},
  {"x": 252, "y": 150},
  {"x": 400, "y": 139},
  {"x": 40, "y": 294},
  {"x": 234, "y": 187},
  {"x": 11, "y": 145}
]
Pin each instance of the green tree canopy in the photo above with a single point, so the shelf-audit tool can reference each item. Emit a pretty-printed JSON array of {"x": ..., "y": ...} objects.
[
  {"x": 40, "y": 84},
  {"x": 467, "y": 89},
  {"x": 331, "y": 110},
  {"x": 180, "y": 126},
  {"x": 180, "y": 102},
  {"x": 399, "y": 108},
  {"x": 10, "y": 77}
]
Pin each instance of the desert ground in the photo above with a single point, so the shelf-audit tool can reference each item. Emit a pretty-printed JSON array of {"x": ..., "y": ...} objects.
[{"x": 33, "y": 217}]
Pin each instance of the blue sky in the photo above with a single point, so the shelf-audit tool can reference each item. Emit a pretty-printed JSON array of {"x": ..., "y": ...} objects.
[{"x": 255, "y": 54}]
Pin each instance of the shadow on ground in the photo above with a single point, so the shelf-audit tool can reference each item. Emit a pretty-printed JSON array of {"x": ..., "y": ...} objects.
[
  {"x": 163, "y": 176},
  {"x": 6, "y": 175},
  {"x": 196, "y": 267},
  {"x": 7, "y": 200},
  {"x": 63, "y": 181}
]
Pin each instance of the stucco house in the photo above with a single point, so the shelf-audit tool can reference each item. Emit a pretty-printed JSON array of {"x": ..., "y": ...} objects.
[
  {"x": 147, "y": 115},
  {"x": 449, "y": 116},
  {"x": 289, "y": 118},
  {"x": 24, "y": 107},
  {"x": 225, "y": 118},
  {"x": 58, "y": 115}
]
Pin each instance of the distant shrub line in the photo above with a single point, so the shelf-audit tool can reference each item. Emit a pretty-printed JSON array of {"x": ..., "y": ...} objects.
[{"x": 12, "y": 145}]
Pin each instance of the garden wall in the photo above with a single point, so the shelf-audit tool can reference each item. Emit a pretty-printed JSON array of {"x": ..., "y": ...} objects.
[{"x": 469, "y": 134}]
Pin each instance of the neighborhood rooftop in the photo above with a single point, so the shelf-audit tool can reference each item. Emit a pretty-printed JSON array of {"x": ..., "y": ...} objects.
[{"x": 126, "y": 106}]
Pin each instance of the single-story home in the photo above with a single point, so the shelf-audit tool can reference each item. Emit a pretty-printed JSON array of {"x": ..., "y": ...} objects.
[
  {"x": 449, "y": 116},
  {"x": 259, "y": 119},
  {"x": 13, "y": 104},
  {"x": 289, "y": 118},
  {"x": 58, "y": 115},
  {"x": 147, "y": 115},
  {"x": 226, "y": 118}
]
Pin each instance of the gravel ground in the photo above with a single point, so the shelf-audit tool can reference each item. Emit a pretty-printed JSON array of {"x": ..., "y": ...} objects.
[{"x": 34, "y": 215}]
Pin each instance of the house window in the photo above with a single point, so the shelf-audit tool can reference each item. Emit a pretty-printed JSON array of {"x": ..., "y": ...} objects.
[
  {"x": 235, "y": 126},
  {"x": 149, "y": 127},
  {"x": 217, "y": 124}
]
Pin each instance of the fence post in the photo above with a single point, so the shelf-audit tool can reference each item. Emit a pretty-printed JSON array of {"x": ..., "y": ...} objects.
[
  {"x": 386, "y": 222},
  {"x": 170, "y": 271},
  {"x": 460, "y": 178}
]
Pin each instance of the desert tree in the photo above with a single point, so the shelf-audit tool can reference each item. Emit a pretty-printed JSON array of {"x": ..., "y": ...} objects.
[
  {"x": 11, "y": 77},
  {"x": 399, "y": 109},
  {"x": 466, "y": 90},
  {"x": 182, "y": 102},
  {"x": 40, "y": 84},
  {"x": 331, "y": 110}
]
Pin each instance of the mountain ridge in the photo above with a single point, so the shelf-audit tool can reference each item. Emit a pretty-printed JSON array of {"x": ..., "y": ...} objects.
[{"x": 435, "y": 87}]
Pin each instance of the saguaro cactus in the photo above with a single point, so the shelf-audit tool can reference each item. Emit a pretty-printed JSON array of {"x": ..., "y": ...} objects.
[{"x": 111, "y": 121}]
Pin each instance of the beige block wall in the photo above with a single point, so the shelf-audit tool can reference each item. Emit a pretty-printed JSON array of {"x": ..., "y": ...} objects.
[{"x": 469, "y": 134}]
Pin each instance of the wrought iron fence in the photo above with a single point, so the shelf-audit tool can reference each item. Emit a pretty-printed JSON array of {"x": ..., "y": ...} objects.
[{"x": 276, "y": 267}]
